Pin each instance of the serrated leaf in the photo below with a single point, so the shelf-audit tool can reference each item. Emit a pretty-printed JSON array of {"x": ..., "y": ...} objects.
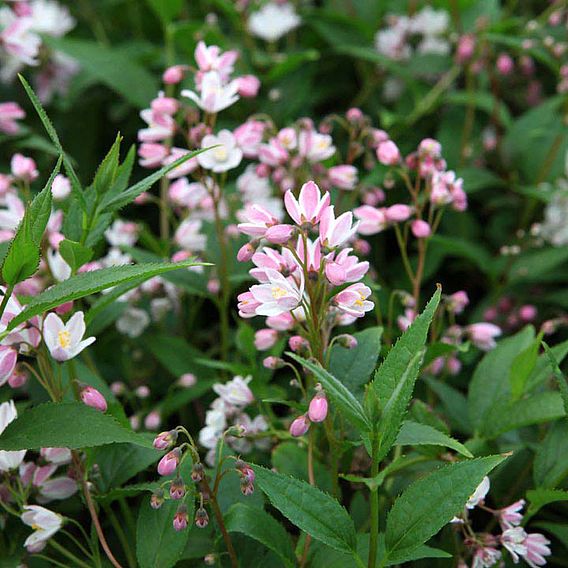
[
  {"x": 339, "y": 394},
  {"x": 353, "y": 367},
  {"x": 65, "y": 425},
  {"x": 310, "y": 509},
  {"x": 74, "y": 254},
  {"x": 539, "y": 498},
  {"x": 106, "y": 173},
  {"x": 522, "y": 367},
  {"x": 158, "y": 545},
  {"x": 432, "y": 501},
  {"x": 416, "y": 434},
  {"x": 262, "y": 527},
  {"x": 551, "y": 458},
  {"x": 88, "y": 283},
  {"x": 559, "y": 375}
]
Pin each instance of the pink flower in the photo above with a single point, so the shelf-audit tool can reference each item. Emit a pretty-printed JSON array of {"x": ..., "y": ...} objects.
[
  {"x": 9, "y": 113},
  {"x": 537, "y": 549},
  {"x": 169, "y": 462},
  {"x": 334, "y": 232},
  {"x": 272, "y": 154},
  {"x": 226, "y": 156},
  {"x": 458, "y": 301},
  {"x": 314, "y": 146},
  {"x": 259, "y": 220},
  {"x": 483, "y": 335},
  {"x": 353, "y": 300},
  {"x": 93, "y": 398},
  {"x": 278, "y": 295},
  {"x": 485, "y": 557},
  {"x": 186, "y": 168},
  {"x": 398, "y": 213},
  {"x": 511, "y": 516},
  {"x": 309, "y": 206},
  {"x": 371, "y": 219},
  {"x": 151, "y": 154},
  {"x": 317, "y": 411},
  {"x": 65, "y": 341},
  {"x": 505, "y": 65},
  {"x": 265, "y": 339},
  {"x": 212, "y": 59},
  {"x": 345, "y": 268},
  {"x": 514, "y": 541},
  {"x": 299, "y": 426},
  {"x": 343, "y": 177},
  {"x": 248, "y": 86},
  {"x": 174, "y": 74},
  {"x": 8, "y": 360},
  {"x": 187, "y": 380},
  {"x": 24, "y": 168},
  {"x": 388, "y": 153},
  {"x": 420, "y": 229},
  {"x": 249, "y": 136},
  {"x": 214, "y": 96},
  {"x": 279, "y": 234},
  {"x": 60, "y": 188},
  {"x": 247, "y": 305},
  {"x": 271, "y": 259}
]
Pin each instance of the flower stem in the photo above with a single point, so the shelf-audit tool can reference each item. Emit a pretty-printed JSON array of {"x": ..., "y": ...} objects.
[
  {"x": 63, "y": 551},
  {"x": 374, "y": 498},
  {"x": 5, "y": 299}
]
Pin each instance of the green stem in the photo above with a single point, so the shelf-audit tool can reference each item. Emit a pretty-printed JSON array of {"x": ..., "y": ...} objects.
[
  {"x": 374, "y": 498},
  {"x": 130, "y": 558},
  {"x": 63, "y": 551},
  {"x": 5, "y": 299}
]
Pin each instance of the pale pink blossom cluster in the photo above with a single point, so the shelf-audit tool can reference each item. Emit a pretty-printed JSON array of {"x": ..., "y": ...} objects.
[
  {"x": 10, "y": 113},
  {"x": 22, "y": 25},
  {"x": 487, "y": 549}
]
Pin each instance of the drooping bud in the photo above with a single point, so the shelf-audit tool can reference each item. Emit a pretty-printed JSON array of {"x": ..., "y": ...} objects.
[
  {"x": 180, "y": 518},
  {"x": 169, "y": 462},
  {"x": 93, "y": 398},
  {"x": 157, "y": 499},
  {"x": 197, "y": 472},
  {"x": 346, "y": 340},
  {"x": 201, "y": 518},
  {"x": 273, "y": 362},
  {"x": 177, "y": 488},
  {"x": 299, "y": 426},
  {"x": 318, "y": 407},
  {"x": 165, "y": 440}
]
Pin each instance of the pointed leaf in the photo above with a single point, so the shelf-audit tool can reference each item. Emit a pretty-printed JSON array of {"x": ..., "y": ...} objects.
[
  {"x": 416, "y": 434},
  {"x": 74, "y": 253},
  {"x": 559, "y": 375},
  {"x": 107, "y": 171}
]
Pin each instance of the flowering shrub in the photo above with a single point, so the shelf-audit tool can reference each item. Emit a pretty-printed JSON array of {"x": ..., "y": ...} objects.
[{"x": 314, "y": 314}]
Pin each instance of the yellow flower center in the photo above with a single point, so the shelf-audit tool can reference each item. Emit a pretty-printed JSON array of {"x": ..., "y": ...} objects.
[
  {"x": 64, "y": 339},
  {"x": 221, "y": 154},
  {"x": 278, "y": 292}
]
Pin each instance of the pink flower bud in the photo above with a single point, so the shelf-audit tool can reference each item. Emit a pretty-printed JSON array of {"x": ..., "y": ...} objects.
[
  {"x": 164, "y": 440},
  {"x": 346, "y": 340},
  {"x": 466, "y": 48},
  {"x": 8, "y": 359},
  {"x": 398, "y": 213},
  {"x": 279, "y": 234},
  {"x": 248, "y": 86},
  {"x": 177, "y": 489},
  {"x": 60, "y": 188},
  {"x": 505, "y": 64},
  {"x": 273, "y": 363},
  {"x": 174, "y": 75},
  {"x": 246, "y": 252},
  {"x": 388, "y": 153},
  {"x": 65, "y": 308},
  {"x": 142, "y": 392},
  {"x": 157, "y": 499},
  {"x": 318, "y": 408},
  {"x": 180, "y": 256},
  {"x": 201, "y": 518},
  {"x": 187, "y": 380},
  {"x": 420, "y": 229},
  {"x": 298, "y": 343},
  {"x": 213, "y": 286},
  {"x": 265, "y": 338},
  {"x": 528, "y": 312},
  {"x": 299, "y": 426},
  {"x": 354, "y": 114},
  {"x": 23, "y": 168},
  {"x": 180, "y": 518},
  {"x": 169, "y": 462},
  {"x": 18, "y": 378},
  {"x": 92, "y": 397}
]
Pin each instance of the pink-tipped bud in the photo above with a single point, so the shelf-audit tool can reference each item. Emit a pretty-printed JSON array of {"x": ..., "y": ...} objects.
[
  {"x": 299, "y": 426},
  {"x": 248, "y": 86},
  {"x": 169, "y": 462},
  {"x": 8, "y": 360},
  {"x": 388, "y": 153},
  {"x": 246, "y": 252},
  {"x": 265, "y": 339},
  {"x": 279, "y": 234},
  {"x": 528, "y": 312},
  {"x": 177, "y": 489},
  {"x": 213, "y": 286},
  {"x": 505, "y": 64},
  {"x": 92, "y": 397},
  {"x": 197, "y": 472},
  {"x": 63, "y": 309},
  {"x": 318, "y": 407},
  {"x": 173, "y": 75},
  {"x": 187, "y": 380},
  {"x": 420, "y": 229},
  {"x": 18, "y": 378},
  {"x": 247, "y": 488},
  {"x": 298, "y": 344},
  {"x": 273, "y": 363},
  {"x": 180, "y": 518},
  {"x": 165, "y": 440},
  {"x": 201, "y": 518},
  {"x": 24, "y": 168},
  {"x": 157, "y": 499},
  {"x": 354, "y": 114},
  {"x": 346, "y": 340},
  {"x": 398, "y": 213}
]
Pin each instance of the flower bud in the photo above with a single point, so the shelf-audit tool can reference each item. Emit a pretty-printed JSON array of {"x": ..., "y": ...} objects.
[
  {"x": 60, "y": 188},
  {"x": 187, "y": 380},
  {"x": 248, "y": 86},
  {"x": 197, "y": 472},
  {"x": 169, "y": 462},
  {"x": 157, "y": 499},
  {"x": 273, "y": 363},
  {"x": 265, "y": 339},
  {"x": 173, "y": 75},
  {"x": 8, "y": 360},
  {"x": 92, "y": 397},
  {"x": 388, "y": 153},
  {"x": 398, "y": 213},
  {"x": 24, "y": 168},
  {"x": 180, "y": 518},
  {"x": 346, "y": 340},
  {"x": 298, "y": 344},
  {"x": 165, "y": 440},
  {"x": 18, "y": 378},
  {"x": 246, "y": 252},
  {"x": 528, "y": 312},
  {"x": 318, "y": 407},
  {"x": 201, "y": 518},
  {"x": 420, "y": 229},
  {"x": 299, "y": 426},
  {"x": 354, "y": 114},
  {"x": 247, "y": 488},
  {"x": 177, "y": 488},
  {"x": 279, "y": 234}
]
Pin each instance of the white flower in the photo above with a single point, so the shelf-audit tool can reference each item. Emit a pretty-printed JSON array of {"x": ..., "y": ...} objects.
[
  {"x": 51, "y": 18},
  {"x": 122, "y": 233},
  {"x": 44, "y": 522},
  {"x": 555, "y": 225},
  {"x": 235, "y": 392},
  {"x": 115, "y": 257},
  {"x": 479, "y": 494},
  {"x": 225, "y": 157},
  {"x": 65, "y": 341},
  {"x": 430, "y": 22},
  {"x": 214, "y": 95},
  {"x": 9, "y": 460},
  {"x": 133, "y": 322},
  {"x": 60, "y": 270},
  {"x": 433, "y": 45},
  {"x": 278, "y": 295},
  {"x": 273, "y": 21},
  {"x": 188, "y": 236},
  {"x": 11, "y": 216},
  {"x": 314, "y": 146}
]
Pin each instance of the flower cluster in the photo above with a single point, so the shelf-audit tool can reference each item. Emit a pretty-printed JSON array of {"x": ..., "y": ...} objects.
[
  {"x": 485, "y": 547},
  {"x": 273, "y": 20},
  {"x": 22, "y": 25}
]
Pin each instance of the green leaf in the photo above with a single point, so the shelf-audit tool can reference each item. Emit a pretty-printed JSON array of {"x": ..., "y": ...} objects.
[
  {"x": 522, "y": 367},
  {"x": 88, "y": 283},
  {"x": 392, "y": 387},
  {"x": 543, "y": 371},
  {"x": 490, "y": 383},
  {"x": 23, "y": 255},
  {"x": 454, "y": 403},
  {"x": 166, "y": 10},
  {"x": 259, "y": 525},
  {"x": 158, "y": 545},
  {"x": 310, "y": 509},
  {"x": 114, "y": 67},
  {"x": 533, "y": 265},
  {"x": 74, "y": 254},
  {"x": 432, "y": 501},
  {"x": 353, "y": 367},
  {"x": 75, "y": 183},
  {"x": 559, "y": 375},
  {"x": 107, "y": 171},
  {"x": 539, "y": 498},
  {"x": 416, "y": 434},
  {"x": 551, "y": 459},
  {"x": 65, "y": 425},
  {"x": 339, "y": 394}
]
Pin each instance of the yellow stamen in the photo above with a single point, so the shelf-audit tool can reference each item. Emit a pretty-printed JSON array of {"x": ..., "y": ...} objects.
[
  {"x": 278, "y": 292},
  {"x": 64, "y": 339}
]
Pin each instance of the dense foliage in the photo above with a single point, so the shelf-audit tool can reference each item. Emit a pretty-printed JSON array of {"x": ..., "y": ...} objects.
[{"x": 283, "y": 283}]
